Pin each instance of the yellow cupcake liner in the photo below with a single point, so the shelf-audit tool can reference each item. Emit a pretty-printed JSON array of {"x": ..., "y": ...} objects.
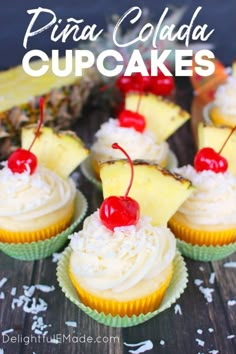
[
  {"x": 202, "y": 237},
  {"x": 137, "y": 306},
  {"x": 34, "y": 236},
  {"x": 175, "y": 289},
  {"x": 91, "y": 175},
  {"x": 29, "y": 251}
]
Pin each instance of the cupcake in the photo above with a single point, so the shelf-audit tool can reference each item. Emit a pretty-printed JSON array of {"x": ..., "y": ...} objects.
[
  {"x": 34, "y": 206},
  {"x": 207, "y": 217},
  {"x": 120, "y": 263},
  {"x": 141, "y": 145},
  {"x": 222, "y": 111},
  {"x": 205, "y": 223},
  {"x": 124, "y": 271},
  {"x": 37, "y": 198}
]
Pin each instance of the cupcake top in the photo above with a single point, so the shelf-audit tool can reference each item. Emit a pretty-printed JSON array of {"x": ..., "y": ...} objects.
[
  {"x": 25, "y": 197},
  {"x": 118, "y": 260},
  {"x": 140, "y": 145},
  {"x": 213, "y": 201},
  {"x": 225, "y": 96}
]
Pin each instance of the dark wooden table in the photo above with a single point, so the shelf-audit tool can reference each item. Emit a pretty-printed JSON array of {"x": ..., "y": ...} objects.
[{"x": 195, "y": 326}]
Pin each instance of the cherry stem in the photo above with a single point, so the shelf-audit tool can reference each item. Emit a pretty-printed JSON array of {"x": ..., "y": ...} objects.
[
  {"x": 118, "y": 147},
  {"x": 234, "y": 128},
  {"x": 41, "y": 108}
]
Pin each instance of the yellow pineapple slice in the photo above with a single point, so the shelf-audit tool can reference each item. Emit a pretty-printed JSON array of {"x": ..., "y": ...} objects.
[
  {"x": 163, "y": 117},
  {"x": 214, "y": 137},
  {"x": 61, "y": 152},
  {"x": 159, "y": 192}
]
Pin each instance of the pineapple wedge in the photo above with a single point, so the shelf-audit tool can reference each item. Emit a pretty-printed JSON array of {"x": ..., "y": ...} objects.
[
  {"x": 214, "y": 137},
  {"x": 61, "y": 152},
  {"x": 159, "y": 192},
  {"x": 163, "y": 117}
]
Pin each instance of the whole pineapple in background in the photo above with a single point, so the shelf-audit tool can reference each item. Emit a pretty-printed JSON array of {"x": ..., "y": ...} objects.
[{"x": 19, "y": 103}]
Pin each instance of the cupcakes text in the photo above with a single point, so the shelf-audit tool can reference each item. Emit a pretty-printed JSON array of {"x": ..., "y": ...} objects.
[{"x": 111, "y": 62}]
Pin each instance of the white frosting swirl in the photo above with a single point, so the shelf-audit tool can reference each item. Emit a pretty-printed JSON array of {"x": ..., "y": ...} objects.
[
  {"x": 213, "y": 201},
  {"x": 121, "y": 259},
  {"x": 225, "y": 96},
  {"x": 29, "y": 200},
  {"x": 138, "y": 145}
]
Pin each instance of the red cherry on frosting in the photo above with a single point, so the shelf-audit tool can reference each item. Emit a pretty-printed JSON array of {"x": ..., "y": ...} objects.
[
  {"x": 22, "y": 160},
  {"x": 120, "y": 211},
  {"x": 130, "y": 119},
  {"x": 208, "y": 159}
]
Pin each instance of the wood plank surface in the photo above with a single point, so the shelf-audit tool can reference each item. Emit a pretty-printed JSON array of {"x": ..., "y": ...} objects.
[{"x": 194, "y": 326}]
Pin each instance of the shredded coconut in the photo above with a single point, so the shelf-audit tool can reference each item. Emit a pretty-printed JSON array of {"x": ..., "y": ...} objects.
[
  {"x": 162, "y": 342},
  {"x": 7, "y": 331},
  {"x": 198, "y": 282},
  {"x": 200, "y": 342},
  {"x": 231, "y": 336},
  {"x": 13, "y": 291},
  {"x": 212, "y": 278},
  {"x": 199, "y": 331},
  {"x": 207, "y": 293},
  {"x": 45, "y": 288},
  {"x": 230, "y": 265},
  {"x": 38, "y": 326},
  {"x": 231, "y": 302},
  {"x": 210, "y": 330},
  {"x": 56, "y": 257},
  {"x": 2, "y": 282},
  {"x": 71, "y": 323},
  {"x": 2, "y": 295},
  {"x": 178, "y": 309}
]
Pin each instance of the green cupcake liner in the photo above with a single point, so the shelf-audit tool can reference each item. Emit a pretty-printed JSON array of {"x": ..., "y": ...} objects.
[
  {"x": 205, "y": 253},
  {"x": 176, "y": 288},
  {"x": 42, "y": 249},
  {"x": 89, "y": 173}
]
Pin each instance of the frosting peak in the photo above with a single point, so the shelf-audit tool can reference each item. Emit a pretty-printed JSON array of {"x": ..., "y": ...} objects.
[
  {"x": 119, "y": 259},
  {"x": 139, "y": 145}
]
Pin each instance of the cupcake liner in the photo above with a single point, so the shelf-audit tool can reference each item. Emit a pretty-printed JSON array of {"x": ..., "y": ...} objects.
[
  {"x": 143, "y": 305},
  {"x": 176, "y": 287},
  {"x": 89, "y": 173},
  {"x": 202, "y": 237},
  {"x": 44, "y": 248},
  {"x": 205, "y": 253},
  {"x": 38, "y": 235}
]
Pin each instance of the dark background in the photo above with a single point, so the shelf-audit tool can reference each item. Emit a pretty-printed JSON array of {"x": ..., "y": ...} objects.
[{"x": 14, "y": 21}]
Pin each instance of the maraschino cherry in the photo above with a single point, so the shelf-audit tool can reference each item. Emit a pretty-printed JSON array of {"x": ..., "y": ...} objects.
[
  {"x": 22, "y": 160},
  {"x": 161, "y": 84},
  {"x": 120, "y": 211},
  {"x": 208, "y": 159},
  {"x": 130, "y": 119}
]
